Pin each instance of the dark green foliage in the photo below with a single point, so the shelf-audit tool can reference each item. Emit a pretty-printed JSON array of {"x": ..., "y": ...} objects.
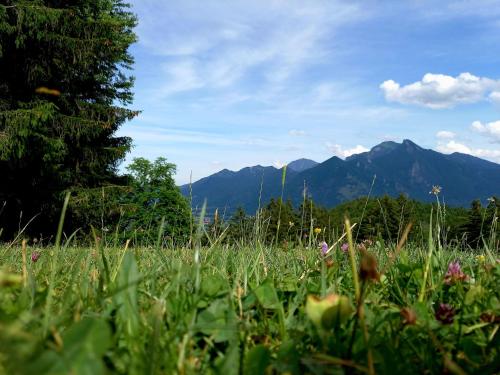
[
  {"x": 241, "y": 226},
  {"x": 62, "y": 71},
  {"x": 154, "y": 198},
  {"x": 482, "y": 224},
  {"x": 284, "y": 212},
  {"x": 382, "y": 218}
]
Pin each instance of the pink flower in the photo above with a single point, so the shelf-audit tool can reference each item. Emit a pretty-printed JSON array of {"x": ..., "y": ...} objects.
[
  {"x": 324, "y": 247},
  {"x": 35, "y": 255},
  {"x": 454, "y": 273},
  {"x": 344, "y": 247}
]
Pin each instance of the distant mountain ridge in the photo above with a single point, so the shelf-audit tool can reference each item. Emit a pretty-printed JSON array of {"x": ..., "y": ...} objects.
[
  {"x": 301, "y": 165},
  {"x": 393, "y": 169}
]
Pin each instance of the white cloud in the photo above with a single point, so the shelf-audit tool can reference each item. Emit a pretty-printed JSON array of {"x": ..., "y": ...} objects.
[
  {"x": 438, "y": 91},
  {"x": 491, "y": 129},
  {"x": 444, "y": 134},
  {"x": 339, "y": 151},
  {"x": 453, "y": 146},
  {"x": 297, "y": 133},
  {"x": 495, "y": 97}
]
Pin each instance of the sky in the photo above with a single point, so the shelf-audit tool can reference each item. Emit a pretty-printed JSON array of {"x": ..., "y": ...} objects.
[{"x": 229, "y": 84}]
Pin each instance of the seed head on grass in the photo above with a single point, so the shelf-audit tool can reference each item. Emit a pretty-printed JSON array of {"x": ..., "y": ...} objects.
[
  {"x": 408, "y": 316},
  {"x": 436, "y": 189},
  {"x": 368, "y": 267}
]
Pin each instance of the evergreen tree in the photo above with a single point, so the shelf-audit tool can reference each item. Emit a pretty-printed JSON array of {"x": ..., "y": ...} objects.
[
  {"x": 63, "y": 70},
  {"x": 474, "y": 225},
  {"x": 280, "y": 210},
  {"x": 491, "y": 227},
  {"x": 240, "y": 226}
]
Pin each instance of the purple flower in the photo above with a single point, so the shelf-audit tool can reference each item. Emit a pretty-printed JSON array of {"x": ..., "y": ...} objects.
[
  {"x": 324, "y": 247},
  {"x": 344, "y": 247},
  {"x": 454, "y": 273},
  {"x": 35, "y": 255},
  {"x": 445, "y": 313}
]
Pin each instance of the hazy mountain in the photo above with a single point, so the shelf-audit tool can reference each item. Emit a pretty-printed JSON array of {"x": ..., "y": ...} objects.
[
  {"x": 301, "y": 165},
  {"x": 393, "y": 168}
]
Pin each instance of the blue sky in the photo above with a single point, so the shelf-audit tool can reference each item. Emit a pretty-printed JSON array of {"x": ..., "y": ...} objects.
[{"x": 228, "y": 84}]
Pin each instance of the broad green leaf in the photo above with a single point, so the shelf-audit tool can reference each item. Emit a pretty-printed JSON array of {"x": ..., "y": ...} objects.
[
  {"x": 257, "y": 360},
  {"x": 267, "y": 296}
]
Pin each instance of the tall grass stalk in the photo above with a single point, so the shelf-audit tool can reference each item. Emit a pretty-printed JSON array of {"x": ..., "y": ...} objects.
[
  {"x": 428, "y": 260},
  {"x": 283, "y": 178},
  {"x": 53, "y": 265}
]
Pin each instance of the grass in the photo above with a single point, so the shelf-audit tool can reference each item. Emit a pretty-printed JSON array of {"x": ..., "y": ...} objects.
[
  {"x": 251, "y": 309},
  {"x": 231, "y": 310}
]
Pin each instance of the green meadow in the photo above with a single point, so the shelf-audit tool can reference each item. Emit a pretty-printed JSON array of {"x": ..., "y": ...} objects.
[{"x": 367, "y": 307}]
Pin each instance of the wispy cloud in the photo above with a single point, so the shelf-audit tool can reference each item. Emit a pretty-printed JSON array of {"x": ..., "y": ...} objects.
[
  {"x": 214, "y": 45},
  {"x": 445, "y": 134},
  {"x": 168, "y": 136},
  {"x": 297, "y": 133}
]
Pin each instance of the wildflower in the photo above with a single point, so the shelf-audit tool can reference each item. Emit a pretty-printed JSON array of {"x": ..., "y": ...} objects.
[
  {"x": 481, "y": 258},
  {"x": 408, "y": 315},
  {"x": 35, "y": 255},
  {"x": 436, "y": 189},
  {"x": 317, "y": 230},
  {"x": 454, "y": 273},
  {"x": 291, "y": 223},
  {"x": 445, "y": 313},
  {"x": 345, "y": 247},
  {"x": 324, "y": 247}
]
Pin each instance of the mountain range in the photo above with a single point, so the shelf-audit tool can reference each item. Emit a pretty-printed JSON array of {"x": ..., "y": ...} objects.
[{"x": 388, "y": 168}]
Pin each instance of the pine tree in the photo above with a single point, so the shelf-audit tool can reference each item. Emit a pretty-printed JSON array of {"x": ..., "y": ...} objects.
[
  {"x": 63, "y": 70},
  {"x": 474, "y": 225}
]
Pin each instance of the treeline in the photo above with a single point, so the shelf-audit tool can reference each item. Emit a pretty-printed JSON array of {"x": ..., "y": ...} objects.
[{"x": 383, "y": 218}]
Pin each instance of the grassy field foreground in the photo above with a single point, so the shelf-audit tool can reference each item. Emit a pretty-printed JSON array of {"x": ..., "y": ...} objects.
[{"x": 252, "y": 310}]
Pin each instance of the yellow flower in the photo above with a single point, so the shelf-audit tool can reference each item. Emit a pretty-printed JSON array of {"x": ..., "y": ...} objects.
[
  {"x": 481, "y": 258},
  {"x": 317, "y": 230}
]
